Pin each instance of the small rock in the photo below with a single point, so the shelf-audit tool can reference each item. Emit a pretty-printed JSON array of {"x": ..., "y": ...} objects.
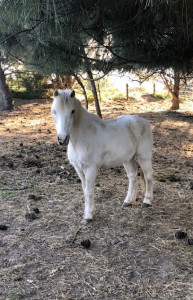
[
  {"x": 155, "y": 188},
  {"x": 190, "y": 241},
  {"x": 18, "y": 279},
  {"x": 3, "y": 227},
  {"x": 34, "y": 197},
  {"x": 98, "y": 184},
  {"x": 11, "y": 165},
  {"x": 30, "y": 216},
  {"x": 51, "y": 171},
  {"x": 191, "y": 185},
  {"x": 114, "y": 242},
  {"x": 86, "y": 243},
  {"x": 180, "y": 234},
  {"x": 173, "y": 178},
  {"x": 50, "y": 201},
  {"x": 21, "y": 144},
  {"x": 36, "y": 210},
  {"x": 162, "y": 180}
]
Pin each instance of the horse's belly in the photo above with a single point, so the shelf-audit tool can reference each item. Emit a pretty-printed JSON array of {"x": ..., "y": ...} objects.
[{"x": 117, "y": 156}]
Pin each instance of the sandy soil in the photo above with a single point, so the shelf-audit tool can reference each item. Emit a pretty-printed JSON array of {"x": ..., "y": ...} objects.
[{"x": 134, "y": 253}]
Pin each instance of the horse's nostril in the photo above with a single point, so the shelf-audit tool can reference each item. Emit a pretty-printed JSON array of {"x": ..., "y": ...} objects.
[
  {"x": 59, "y": 140},
  {"x": 63, "y": 141}
]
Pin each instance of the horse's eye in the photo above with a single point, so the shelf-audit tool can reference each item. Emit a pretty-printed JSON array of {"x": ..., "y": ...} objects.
[{"x": 73, "y": 111}]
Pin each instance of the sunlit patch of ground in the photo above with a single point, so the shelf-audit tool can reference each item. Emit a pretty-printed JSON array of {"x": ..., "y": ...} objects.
[{"x": 133, "y": 253}]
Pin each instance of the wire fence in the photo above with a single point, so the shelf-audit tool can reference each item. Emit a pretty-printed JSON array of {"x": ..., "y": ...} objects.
[{"x": 186, "y": 93}]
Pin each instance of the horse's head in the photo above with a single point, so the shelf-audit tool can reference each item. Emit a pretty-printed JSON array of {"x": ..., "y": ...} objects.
[{"x": 63, "y": 109}]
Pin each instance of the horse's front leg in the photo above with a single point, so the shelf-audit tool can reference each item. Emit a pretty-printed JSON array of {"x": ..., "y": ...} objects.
[
  {"x": 81, "y": 176},
  {"x": 90, "y": 176}
]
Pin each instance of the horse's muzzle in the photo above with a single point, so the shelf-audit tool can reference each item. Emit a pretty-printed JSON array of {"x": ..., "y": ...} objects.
[{"x": 63, "y": 142}]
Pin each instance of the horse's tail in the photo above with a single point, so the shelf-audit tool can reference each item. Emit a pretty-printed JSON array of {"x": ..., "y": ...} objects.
[{"x": 142, "y": 181}]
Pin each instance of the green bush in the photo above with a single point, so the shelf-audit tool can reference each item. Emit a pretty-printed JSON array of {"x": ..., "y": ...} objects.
[
  {"x": 28, "y": 95},
  {"x": 32, "y": 82},
  {"x": 159, "y": 96},
  {"x": 30, "y": 86}
]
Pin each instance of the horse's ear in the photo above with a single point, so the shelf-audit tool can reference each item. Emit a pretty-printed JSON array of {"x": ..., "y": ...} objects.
[
  {"x": 56, "y": 93},
  {"x": 72, "y": 94}
]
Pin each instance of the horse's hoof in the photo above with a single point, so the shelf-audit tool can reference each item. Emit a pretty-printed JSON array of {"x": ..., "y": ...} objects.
[
  {"x": 126, "y": 204},
  {"x": 86, "y": 221},
  {"x": 146, "y": 205}
]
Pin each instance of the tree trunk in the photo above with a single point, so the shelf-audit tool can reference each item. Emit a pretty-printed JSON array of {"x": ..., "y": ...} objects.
[
  {"x": 173, "y": 89},
  {"x": 5, "y": 97},
  {"x": 175, "y": 95},
  {"x": 93, "y": 86},
  {"x": 62, "y": 82},
  {"x": 94, "y": 91},
  {"x": 83, "y": 89}
]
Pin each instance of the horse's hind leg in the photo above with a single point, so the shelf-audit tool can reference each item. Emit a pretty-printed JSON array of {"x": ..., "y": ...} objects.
[
  {"x": 131, "y": 169},
  {"x": 146, "y": 167}
]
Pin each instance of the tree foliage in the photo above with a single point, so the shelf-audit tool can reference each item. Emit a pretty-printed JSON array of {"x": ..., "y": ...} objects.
[
  {"x": 81, "y": 35},
  {"x": 126, "y": 33}
]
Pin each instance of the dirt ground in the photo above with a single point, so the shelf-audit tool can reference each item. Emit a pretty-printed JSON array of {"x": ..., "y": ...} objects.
[{"x": 134, "y": 253}]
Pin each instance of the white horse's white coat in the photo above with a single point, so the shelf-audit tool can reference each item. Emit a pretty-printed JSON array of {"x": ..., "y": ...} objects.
[{"x": 94, "y": 142}]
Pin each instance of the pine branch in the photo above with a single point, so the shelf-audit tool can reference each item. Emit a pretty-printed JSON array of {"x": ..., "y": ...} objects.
[
  {"x": 20, "y": 60},
  {"x": 22, "y": 31},
  {"x": 110, "y": 49}
]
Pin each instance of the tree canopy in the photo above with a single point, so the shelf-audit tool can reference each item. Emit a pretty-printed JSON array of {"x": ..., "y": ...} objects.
[
  {"x": 82, "y": 35},
  {"x": 115, "y": 34}
]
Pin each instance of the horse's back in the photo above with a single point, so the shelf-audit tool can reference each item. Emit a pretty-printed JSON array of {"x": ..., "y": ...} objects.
[
  {"x": 140, "y": 128},
  {"x": 137, "y": 125}
]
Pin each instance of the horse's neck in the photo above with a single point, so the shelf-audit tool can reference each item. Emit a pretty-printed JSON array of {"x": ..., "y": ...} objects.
[
  {"x": 81, "y": 115},
  {"x": 82, "y": 121}
]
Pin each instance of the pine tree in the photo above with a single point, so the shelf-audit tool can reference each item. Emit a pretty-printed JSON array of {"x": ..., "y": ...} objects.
[{"x": 127, "y": 34}]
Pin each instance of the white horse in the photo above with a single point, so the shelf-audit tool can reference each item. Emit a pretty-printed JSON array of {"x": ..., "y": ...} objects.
[{"x": 93, "y": 142}]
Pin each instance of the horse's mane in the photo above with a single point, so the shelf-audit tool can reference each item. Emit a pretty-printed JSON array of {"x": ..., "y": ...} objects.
[{"x": 78, "y": 111}]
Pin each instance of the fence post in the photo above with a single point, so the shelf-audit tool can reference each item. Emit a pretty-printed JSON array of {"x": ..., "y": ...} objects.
[
  {"x": 154, "y": 89},
  {"x": 127, "y": 91}
]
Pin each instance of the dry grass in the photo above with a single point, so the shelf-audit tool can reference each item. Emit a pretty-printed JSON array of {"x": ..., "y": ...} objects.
[{"x": 133, "y": 253}]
